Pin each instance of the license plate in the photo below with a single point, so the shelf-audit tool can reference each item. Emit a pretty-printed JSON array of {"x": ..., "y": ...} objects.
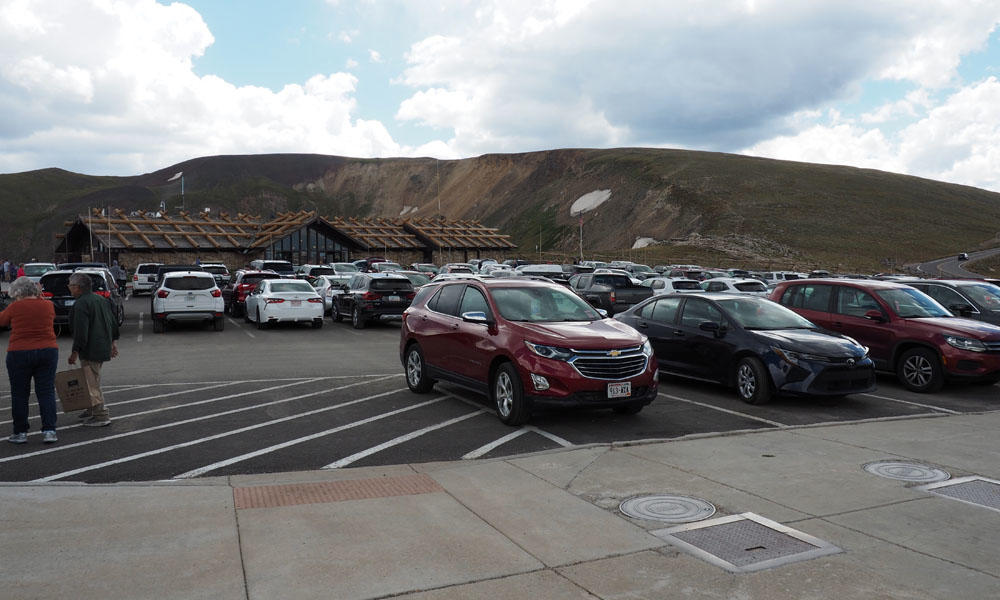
[
  {"x": 69, "y": 302},
  {"x": 296, "y": 303},
  {"x": 620, "y": 390},
  {"x": 392, "y": 298}
]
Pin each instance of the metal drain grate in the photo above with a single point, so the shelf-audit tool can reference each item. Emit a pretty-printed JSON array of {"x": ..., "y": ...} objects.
[
  {"x": 974, "y": 490},
  {"x": 669, "y": 509},
  {"x": 906, "y": 471},
  {"x": 745, "y": 542}
]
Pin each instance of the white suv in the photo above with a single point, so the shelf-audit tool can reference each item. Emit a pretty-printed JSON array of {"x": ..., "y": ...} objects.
[
  {"x": 187, "y": 296},
  {"x": 144, "y": 278}
]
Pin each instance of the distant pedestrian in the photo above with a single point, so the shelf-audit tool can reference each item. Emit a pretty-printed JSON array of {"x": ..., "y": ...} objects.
[
  {"x": 32, "y": 354},
  {"x": 120, "y": 275},
  {"x": 20, "y": 270},
  {"x": 95, "y": 341}
]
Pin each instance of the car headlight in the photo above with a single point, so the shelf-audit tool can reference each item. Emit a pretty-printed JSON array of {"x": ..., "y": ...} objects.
[
  {"x": 647, "y": 348},
  {"x": 553, "y": 352},
  {"x": 796, "y": 357},
  {"x": 965, "y": 343}
]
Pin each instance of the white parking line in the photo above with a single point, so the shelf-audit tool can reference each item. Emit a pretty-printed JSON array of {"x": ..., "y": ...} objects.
[
  {"x": 725, "y": 410},
  {"x": 237, "y": 326},
  {"x": 185, "y": 422},
  {"x": 139, "y": 337},
  {"x": 211, "y": 437},
  {"x": 399, "y": 440},
  {"x": 553, "y": 437},
  {"x": 937, "y": 408},
  {"x": 480, "y": 451}
]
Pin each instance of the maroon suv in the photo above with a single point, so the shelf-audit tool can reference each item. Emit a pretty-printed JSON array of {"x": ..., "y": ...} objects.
[
  {"x": 525, "y": 344},
  {"x": 906, "y": 331}
]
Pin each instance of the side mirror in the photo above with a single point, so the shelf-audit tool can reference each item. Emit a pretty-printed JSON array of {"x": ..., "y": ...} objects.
[
  {"x": 603, "y": 313},
  {"x": 476, "y": 316},
  {"x": 961, "y": 309},
  {"x": 875, "y": 315}
]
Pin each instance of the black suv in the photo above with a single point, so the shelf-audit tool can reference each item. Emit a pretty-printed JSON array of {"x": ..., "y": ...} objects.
[
  {"x": 373, "y": 297},
  {"x": 967, "y": 298},
  {"x": 55, "y": 287}
]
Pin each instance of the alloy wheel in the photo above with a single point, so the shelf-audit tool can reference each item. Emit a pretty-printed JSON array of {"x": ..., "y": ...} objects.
[
  {"x": 504, "y": 392},
  {"x": 413, "y": 368},
  {"x": 918, "y": 370},
  {"x": 746, "y": 382}
]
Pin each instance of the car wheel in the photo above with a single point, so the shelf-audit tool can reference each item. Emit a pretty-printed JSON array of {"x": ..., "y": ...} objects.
[
  {"x": 317, "y": 323},
  {"x": 159, "y": 326},
  {"x": 919, "y": 370},
  {"x": 508, "y": 396},
  {"x": 261, "y": 324},
  {"x": 416, "y": 371},
  {"x": 219, "y": 323},
  {"x": 335, "y": 313},
  {"x": 356, "y": 319},
  {"x": 121, "y": 315},
  {"x": 629, "y": 409},
  {"x": 753, "y": 385}
]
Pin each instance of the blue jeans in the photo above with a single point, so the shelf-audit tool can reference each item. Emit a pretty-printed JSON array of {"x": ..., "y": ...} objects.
[{"x": 22, "y": 367}]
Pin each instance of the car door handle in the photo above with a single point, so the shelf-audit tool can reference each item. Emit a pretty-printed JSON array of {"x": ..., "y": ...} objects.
[{"x": 678, "y": 333}]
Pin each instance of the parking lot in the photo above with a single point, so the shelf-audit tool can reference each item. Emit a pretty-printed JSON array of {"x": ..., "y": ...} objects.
[{"x": 194, "y": 402}]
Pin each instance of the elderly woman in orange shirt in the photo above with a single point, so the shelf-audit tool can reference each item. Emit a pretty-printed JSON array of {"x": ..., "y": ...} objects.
[{"x": 32, "y": 354}]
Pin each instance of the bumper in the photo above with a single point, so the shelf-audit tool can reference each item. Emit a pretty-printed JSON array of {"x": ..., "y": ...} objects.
[
  {"x": 176, "y": 317},
  {"x": 568, "y": 388},
  {"x": 961, "y": 365},
  {"x": 305, "y": 313},
  {"x": 383, "y": 314},
  {"x": 818, "y": 379}
]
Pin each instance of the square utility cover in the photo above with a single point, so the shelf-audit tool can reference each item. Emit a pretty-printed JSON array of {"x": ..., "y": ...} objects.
[
  {"x": 974, "y": 490},
  {"x": 745, "y": 542}
]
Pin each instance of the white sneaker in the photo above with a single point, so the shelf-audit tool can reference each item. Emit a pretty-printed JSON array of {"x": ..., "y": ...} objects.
[
  {"x": 18, "y": 438},
  {"x": 49, "y": 437}
]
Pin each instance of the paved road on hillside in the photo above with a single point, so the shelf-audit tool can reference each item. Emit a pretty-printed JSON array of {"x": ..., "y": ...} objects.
[{"x": 952, "y": 267}]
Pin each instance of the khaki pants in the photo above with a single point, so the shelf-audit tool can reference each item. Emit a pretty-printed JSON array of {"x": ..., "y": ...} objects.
[{"x": 98, "y": 411}]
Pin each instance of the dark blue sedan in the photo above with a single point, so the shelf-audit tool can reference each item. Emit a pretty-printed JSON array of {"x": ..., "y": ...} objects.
[{"x": 751, "y": 343}]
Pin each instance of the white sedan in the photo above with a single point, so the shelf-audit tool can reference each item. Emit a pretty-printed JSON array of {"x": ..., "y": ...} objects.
[
  {"x": 666, "y": 285},
  {"x": 277, "y": 300},
  {"x": 328, "y": 286}
]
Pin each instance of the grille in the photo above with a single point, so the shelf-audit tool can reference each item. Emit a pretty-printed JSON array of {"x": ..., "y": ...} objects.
[
  {"x": 599, "y": 364},
  {"x": 844, "y": 381},
  {"x": 992, "y": 346}
]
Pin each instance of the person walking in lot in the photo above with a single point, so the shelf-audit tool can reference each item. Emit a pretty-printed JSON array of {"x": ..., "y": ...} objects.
[
  {"x": 95, "y": 341},
  {"x": 32, "y": 354}
]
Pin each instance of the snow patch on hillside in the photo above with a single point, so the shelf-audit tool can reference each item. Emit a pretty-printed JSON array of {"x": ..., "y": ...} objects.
[
  {"x": 643, "y": 242},
  {"x": 408, "y": 209},
  {"x": 589, "y": 202}
]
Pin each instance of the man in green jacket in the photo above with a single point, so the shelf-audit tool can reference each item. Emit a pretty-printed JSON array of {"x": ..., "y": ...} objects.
[{"x": 95, "y": 341}]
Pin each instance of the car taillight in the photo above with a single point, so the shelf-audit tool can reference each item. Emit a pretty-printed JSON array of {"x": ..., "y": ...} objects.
[
  {"x": 162, "y": 294},
  {"x": 105, "y": 294},
  {"x": 370, "y": 296},
  {"x": 47, "y": 295},
  {"x": 411, "y": 295},
  {"x": 315, "y": 300},
  {"x": 216, "y": 293},
  {"x": 135, "y": 278},
  {"x": 275, "y": 300},
  {"x": 612, "y": 297}
]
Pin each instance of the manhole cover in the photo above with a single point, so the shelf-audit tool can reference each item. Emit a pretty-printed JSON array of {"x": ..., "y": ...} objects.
[
  {"x": 975, "y": 490},
  {"x": 745, "y": 542},
  {"x": 670, "y": 509},
  {"x": 905, "y": 471}
]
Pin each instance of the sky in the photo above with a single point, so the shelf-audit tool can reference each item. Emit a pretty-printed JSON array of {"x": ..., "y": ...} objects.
[{"x": 124, "y": 87}]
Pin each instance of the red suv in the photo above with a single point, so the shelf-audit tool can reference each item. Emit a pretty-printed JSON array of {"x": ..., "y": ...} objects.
[
  {"x": 907, "y": 332},
  {"x": 525, "y": 344}
]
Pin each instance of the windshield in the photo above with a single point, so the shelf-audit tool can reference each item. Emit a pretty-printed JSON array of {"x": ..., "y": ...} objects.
[
  {"x": 909, "y": 303},
  {"x": 321, "y": 271},
  {"x": 345, "y": 268},
  {"x": 751, "y": 286},
  {"x": 36, "y": 270},
  {"x": 542, "y": 304},
  {"x": 986, "y": 295},
  {"x": 189, "y": 282},
  {"x": 216, "y": 269},
  {"x": 760, "y": 313}
]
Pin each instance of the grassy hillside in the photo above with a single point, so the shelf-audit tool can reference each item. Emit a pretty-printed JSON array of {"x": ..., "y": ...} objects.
[{"x": 711, "y": 208}]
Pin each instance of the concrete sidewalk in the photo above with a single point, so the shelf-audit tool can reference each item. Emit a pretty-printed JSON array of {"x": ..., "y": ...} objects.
[{"x": 543, "y": 526}]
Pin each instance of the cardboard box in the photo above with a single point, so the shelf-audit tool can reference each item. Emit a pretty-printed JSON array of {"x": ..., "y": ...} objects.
[{"x": 73, "y": 389}]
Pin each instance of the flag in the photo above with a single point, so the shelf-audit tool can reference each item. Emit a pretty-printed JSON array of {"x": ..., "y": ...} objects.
[{"x": 177, "y": 176}]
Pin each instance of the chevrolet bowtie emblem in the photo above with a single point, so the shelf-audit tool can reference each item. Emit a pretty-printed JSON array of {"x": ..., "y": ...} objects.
[
  {"x": 850, "y": 362},
  {"x": 614, "y": 353}
]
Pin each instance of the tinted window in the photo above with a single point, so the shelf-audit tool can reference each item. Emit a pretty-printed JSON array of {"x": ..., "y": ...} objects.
[
  {"x": 716, "y": 286},
  {"x": 751, "y": 286},
  {"x": 473, "y": 301},
  {"x": 665, "y": 310},
  {"x": 911, "y": 303},
  {"x": 447, "y": 299},
  {"x": 944, "y": 295},
  {"x": 986, "y": 295},
  {"x": 57, "y": 285},
  {"x": 147, "y": 269},
  {"x": 257, "y": 277},
  {"x": 855, "y": 302},
  {"x": 321, "y": 271},
  {"x": 686, "y": 285},
  {"x": 646, "y": 312},
  {"x": 391, "y": 285},
  {"x": 189, "y": 282},
  {"x": 698, "y": 311},
  {"x": 542, "y": 304}
]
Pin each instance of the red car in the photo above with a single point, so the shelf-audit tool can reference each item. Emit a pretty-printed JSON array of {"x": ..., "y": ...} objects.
[
  {"x": 525, "y": 344},
  {"x": 907, "y": 332}
]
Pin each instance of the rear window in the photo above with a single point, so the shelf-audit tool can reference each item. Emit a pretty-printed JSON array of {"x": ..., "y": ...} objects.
[
  {"x": 189, "y": 282},
  {"x": 255, "y": 278},
  {"x": 291, "y": 286},
  {"x": 147, "y": 269},
  {"x": 280, "y": 266},
  {"x": 751, "y": 286},
  {"x": 216, "y": 270},
  {"x": 37, "y": 270},
  {"x": 321, "y": 271},
  {"x": 689, "y": 285},
  {"x": 395, "y": 285},
  {"x": 57, "y": 285}
]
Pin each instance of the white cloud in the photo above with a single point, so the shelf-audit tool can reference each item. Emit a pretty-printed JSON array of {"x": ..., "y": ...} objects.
[
  {"x": 108, "y": 87},
  {"x": 374, "y": 56},
  {"x": 350, "y": 63}
]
